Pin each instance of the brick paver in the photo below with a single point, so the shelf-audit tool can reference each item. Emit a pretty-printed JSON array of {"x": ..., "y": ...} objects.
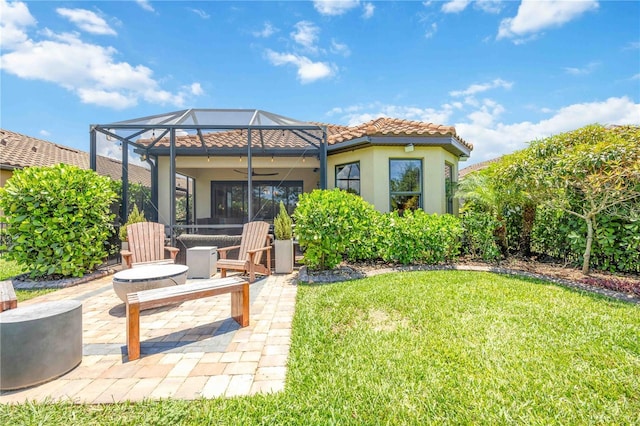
[{"x": 189, "y": 351}]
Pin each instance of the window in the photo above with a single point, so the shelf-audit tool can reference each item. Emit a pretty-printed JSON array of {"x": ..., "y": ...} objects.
[
  {"x": 348, "y": 177},
  {"x": 229, "y": 202},
  {"x": 405, "y": 184},
  {"x": 449, "y": 187}
]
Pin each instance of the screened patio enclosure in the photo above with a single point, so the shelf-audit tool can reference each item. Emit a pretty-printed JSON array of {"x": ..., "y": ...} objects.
[{"x": 210, "y": 170}]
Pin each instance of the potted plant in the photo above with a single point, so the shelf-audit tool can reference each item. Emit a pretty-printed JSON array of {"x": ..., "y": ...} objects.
[
  {"x": 282, "y": 228},
  {"x": 134, "y": 217}
]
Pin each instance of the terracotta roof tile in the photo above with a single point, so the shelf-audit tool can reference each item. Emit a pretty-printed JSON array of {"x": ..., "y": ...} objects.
[
  {"x": 384, "y": 126},
  {"x": 336, "y": 134},
  {"x": 18, "y": 151}
]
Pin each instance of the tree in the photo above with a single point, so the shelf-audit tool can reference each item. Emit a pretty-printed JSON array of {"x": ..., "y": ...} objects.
[
  {"x": 480, "y": 192},
  {"x": 586, "y": 172}
]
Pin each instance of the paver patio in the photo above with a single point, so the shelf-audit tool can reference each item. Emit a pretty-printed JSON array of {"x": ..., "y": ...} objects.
[{"x": 188, "y": 351}]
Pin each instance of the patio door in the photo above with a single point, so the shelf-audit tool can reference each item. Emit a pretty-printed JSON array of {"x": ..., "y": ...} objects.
[{"x": 229, "y": 200}]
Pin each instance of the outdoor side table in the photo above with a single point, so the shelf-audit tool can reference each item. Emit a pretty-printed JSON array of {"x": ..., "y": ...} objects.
[
  {"x": 39, "y": 342},
  {"x": 147, "y": 277},
  {"x": 202, "y": 261}
]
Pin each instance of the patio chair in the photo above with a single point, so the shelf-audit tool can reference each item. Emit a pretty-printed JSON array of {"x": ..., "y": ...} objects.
[
  {"x": 255, "y": 241},
  {"x": 146, "y": 245}
]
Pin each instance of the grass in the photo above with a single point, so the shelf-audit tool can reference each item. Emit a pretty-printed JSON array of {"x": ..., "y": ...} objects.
[
  {"x": 9, "y": 269},
  {"x": 447, "y": 347}
]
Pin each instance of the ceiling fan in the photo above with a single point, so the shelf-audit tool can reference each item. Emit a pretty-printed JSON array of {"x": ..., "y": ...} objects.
[{"x": 254, "y": 173}]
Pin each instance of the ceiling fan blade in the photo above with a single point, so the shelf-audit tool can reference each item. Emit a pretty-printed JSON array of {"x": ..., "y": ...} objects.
[{"x": 254, "y": 173}]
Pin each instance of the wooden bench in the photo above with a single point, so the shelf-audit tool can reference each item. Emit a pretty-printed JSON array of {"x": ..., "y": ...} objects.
[
  {"x": 147, "y": 299},
  {"x": 8, "y": 299}
]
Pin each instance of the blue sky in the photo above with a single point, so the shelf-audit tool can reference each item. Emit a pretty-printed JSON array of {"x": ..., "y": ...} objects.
[{"x": 502, "y": 72}]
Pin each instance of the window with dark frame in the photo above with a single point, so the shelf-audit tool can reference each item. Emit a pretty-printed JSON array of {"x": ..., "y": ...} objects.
[
  {"x": 449, "y": 187},
  {"x": 405, "y": 184},
  {"x": 348, "y": 177},
  {"x": 229, "y": 202}
]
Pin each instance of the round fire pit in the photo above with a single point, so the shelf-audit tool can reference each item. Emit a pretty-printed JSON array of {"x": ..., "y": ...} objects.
[{"x": 147, "y": 277}]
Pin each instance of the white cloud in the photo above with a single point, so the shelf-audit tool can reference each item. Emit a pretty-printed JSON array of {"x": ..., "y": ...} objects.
[
  {"x": 335, "y": 7},
  {"x": 16, "y": 18},
  {"x": 493, "y": 140},
  {"x": 482, "y": 126},
  {"x": 478, "y": 88},
  {"x": 340, "y": 48},
  {"x": 267, "y": 31},
  {"x": 369, "y": 8},
  {"x": 431, "y": 31},
  {"x": 146, "y": 5},
  {"x": 308, "y": 71},
  {"x": 357, "y": 114},
  {"x": 455, "y": 6},
  {"x": 635, "y": 77},
  {"x": 632, "y": 45},
  {"x": 489, "y": 6},
  {"x": 44, "y": 133},
  {"x": 87, "y": 21},
  {"x": 487, "y": 114},
  {"x": 201, "y": 13},
  {"x": 88, "y": 70},
  {"x": 588, "y": 69},
  {"x": 534, "y": 16},
  {"x": 196, "y": 89},
  {"x": 306, "y": 34}
]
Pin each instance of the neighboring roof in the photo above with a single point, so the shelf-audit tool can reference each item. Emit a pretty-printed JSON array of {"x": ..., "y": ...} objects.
[
  {"x": 478, "y": 166},
  {"x": 18, "y": 151}
]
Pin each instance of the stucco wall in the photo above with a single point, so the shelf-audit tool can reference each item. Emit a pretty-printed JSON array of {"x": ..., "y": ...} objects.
[
  {"x": 4, "y": 176},
  {"x": 374, "y": 173},
  {"x": 222, "y": 169}
]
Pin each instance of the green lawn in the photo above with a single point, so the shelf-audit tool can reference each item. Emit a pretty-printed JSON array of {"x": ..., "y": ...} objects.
[
  {"x": 447, "y": 347},
  {"x": 9, "y": 269}
]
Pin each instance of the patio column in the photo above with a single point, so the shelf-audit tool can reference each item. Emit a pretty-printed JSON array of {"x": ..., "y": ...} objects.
[
  {"x": 125, "y": 181},
  {"x": 92, "y": 148},
  {"x": 172, "y": 183},
  {"x": 249, "y": 178},
  {"x": 323, "y": 159}
]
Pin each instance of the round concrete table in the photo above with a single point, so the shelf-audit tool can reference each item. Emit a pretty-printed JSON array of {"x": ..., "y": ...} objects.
[
  {"x": 39, "y": 342},
  {"x": 147, "y": 277}
]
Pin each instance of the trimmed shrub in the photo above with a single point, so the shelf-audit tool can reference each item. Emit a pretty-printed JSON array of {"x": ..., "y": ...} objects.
[
  {"x": 58, "y": 219},
  {"x": 418, "y": 237},
  {"x": 332, "y": 225},
  {"x": 479, "y": 238},
  {"x": 282, "y": 224},
  {"x": 135, "y": 216}
]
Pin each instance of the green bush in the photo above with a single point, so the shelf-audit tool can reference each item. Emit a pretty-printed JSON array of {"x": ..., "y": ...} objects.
[
  {"x": 332, "y": 225},
  {"x": 616, "y": 245},
  {"x": 282, "y": 224},
  {"x": 58, "y": 219},
  {"x": 135, "y": 216},
  {"x": 418, "y": 237},
  {"x": 479, "y": 240}
]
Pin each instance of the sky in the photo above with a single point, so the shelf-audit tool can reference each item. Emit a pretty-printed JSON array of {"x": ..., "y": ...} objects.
[{"x": 504, "y": 73}]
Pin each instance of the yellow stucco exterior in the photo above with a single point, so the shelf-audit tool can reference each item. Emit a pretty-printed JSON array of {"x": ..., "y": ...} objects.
[
  {"x": 374, "y": 173},
  {"x": 219, "y": 169}
]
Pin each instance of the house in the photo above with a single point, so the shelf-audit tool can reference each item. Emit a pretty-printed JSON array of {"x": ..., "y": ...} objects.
[
  {"x": 18, "y": 151},
  {"x": 393, "y": 164}
]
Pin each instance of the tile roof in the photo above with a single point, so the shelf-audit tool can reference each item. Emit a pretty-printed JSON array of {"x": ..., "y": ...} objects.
[
  {"x": 478, "y": 166},
  {"x": 336, "y": 134},
  {"x": 18, "y": 151},
  {"x": 385, "y": 126}
]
